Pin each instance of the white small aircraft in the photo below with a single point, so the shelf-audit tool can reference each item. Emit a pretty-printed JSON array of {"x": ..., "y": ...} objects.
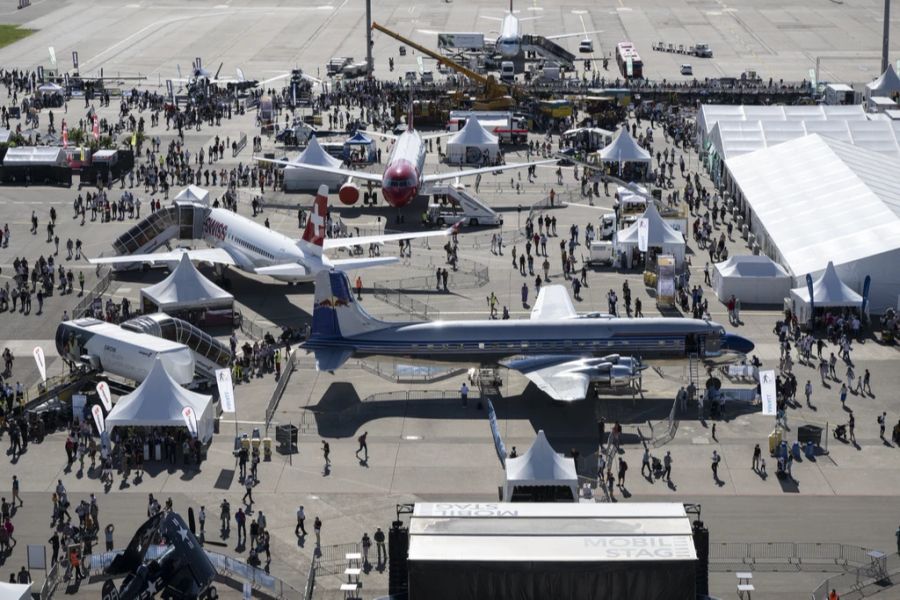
[{"x": 243, "y": 243}]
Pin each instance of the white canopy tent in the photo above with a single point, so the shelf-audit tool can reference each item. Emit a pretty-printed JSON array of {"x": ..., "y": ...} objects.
[
  {"x": 298, "y": 179},
  {"x": 15, "y": 591},
  {"x": 32, "y": 156},
  {"x": 158, "y": 402},
  {"x": 623, "y": 150},
  {"x": 888, "y": 84},
  {"x": 752, "y": 279},
  {"x": 828, "y": 292},
  {"x": 660, "y": 236},
  {"x": 471, "y": 143},
  {"x": 185, "y": 288},
  {"x": 193, "y": 193},
  {"x": 540, "y": 467}
]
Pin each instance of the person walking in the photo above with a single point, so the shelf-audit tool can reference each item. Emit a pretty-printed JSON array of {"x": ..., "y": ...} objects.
[
  {"x": 225, "y": 516},
  {"x": 363, "y": 446},
  {"x": 667, "y": 466},
  {"x": 15, "y": 491},
  {"x": 202, "y": 519},
  {"x": 623, "y": 468},
  {"x": 881, "y": 424},
  {"x": 326, "y": 450},
  {"x": 843, "y": 394},
  {"x": 241, "y": 520},
  {"x": 808, "y": 391},
  {"x": 645, "y": 464},
  {"x": 301, "y": 520},
  {"x": 851, "y": 425},
  {"x": 248, "y": 483},
  {"x": 359, "y": 286},
  {"x": 379, "y": 546},
  {"x": 464, "y": 394},
  {"x": 715, "y": 464},
  {"x": 757, "y": 453},
  {"x": 366, "y": 544},
  {"x": 317, "y": 529},
  {"x": 108, "y": 534}
]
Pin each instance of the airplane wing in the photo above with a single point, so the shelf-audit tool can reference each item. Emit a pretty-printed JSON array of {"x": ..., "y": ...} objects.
[
  {"x": 293, "y": 269},
  {"x": 571, "y": 35},
  {"x": 365, "y": 240},
  {"x": 469, "y": 172},
  {"x": 363, "y": 175},
  {"x": 210, "y": 255},
  {"x": 348, "y": 264},
  {"x": 276, "y": 78},
  {"x": 560, "y": 377},
  {"x": 389, "y": 136},
  {"x": 432, "y": 136},
  {"x": 498, "y": 19},
  {"x": 553, "y": 302}
]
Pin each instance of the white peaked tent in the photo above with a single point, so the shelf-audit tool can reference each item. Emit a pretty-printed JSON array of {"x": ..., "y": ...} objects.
[
  {"x": 158, "y": 402},
  {"x": 469, "y": 144},
  {"x": 752, "y": 279},
  {"x": 298, "y": 179},
  {"x": 184, "y": 289},
  {"x": 828, "y": 292},
  {"x": 660, "y": 235},
  {"x": 541, "y": 467},
  {"x": 193, "y": 193},
  {"x": 15, "y": 591},
  {"x": 886, "y": 85},
  {"x": 623, "y": 150}
]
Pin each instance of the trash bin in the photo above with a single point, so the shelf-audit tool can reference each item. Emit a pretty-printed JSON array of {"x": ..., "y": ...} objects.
[
  {"x": 286, "y": 436},
  {"x": 795, "y": 450},
  {"x": 774, "y": 440},
  {"x": 809, "y": 433}
]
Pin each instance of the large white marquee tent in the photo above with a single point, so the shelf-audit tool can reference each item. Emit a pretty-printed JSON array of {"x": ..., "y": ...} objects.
[
  {"x": 751, "y": 279},
  {"x": 813, "y": 200}
]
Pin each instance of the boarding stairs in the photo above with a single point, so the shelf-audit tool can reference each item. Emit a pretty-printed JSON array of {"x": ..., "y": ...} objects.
[
  {"x": 209, "y": 353},
  {"x": 183, "y": 220},
  {"x": 473, "y": 211},
  {"x": 548, "y": 49}
]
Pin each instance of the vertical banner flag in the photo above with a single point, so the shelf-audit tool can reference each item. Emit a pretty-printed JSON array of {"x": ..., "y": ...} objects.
[
  {"x": 75, "y": 59},
  {"x": 226, "y": 389},
  {"x": 190, "y": 419},
  {"x": 105, "y": 396},
  {"x": 41, "y": 363},
  {"x": 170, "y": 90},
  {"x": 40, "y": 73},
  {"x": 643, "y": 234},
  {"x": 99, "y": 420},
  {"x": 867, "y": 282},
  {"x": 52, "y": 56},
  {"x": 495, "y": 431},
  {"x": 812, "y": 297},
  {"x": 65, "y": 132},
  {"x": 767, "y": 392},
  {"x": 96, "y": 127}
]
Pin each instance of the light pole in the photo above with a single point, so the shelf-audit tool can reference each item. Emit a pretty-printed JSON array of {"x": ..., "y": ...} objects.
[{"x": 369, "y": 64}]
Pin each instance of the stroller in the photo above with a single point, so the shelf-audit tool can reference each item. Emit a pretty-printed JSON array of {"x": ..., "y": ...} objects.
[
  {"x": 657, "y": 467},
  {"x": 840, "y": 432}
]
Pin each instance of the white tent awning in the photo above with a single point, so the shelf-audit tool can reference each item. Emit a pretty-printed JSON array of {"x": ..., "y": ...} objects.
[
  {"x": 541, "y": 465},
  {"x": 186, "y": 288},
  {"x": 193, "y": 193},
  {"x": 752, "y": 279},
  {"x": 624, "y": 149}
]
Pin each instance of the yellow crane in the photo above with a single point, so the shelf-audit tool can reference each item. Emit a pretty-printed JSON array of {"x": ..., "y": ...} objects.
[{"x": 496, "y": 96}]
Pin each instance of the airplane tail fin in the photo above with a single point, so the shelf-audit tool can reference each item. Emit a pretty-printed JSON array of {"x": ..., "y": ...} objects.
[
  {"x": 314, "y": 234},
  {"x": 336, "y": 313}
]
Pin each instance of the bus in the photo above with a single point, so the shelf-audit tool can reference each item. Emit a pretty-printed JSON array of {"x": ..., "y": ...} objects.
[{"x": 629, "y": 61}]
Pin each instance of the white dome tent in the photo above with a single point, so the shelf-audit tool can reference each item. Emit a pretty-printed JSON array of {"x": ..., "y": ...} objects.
[
  {"x": 158, "y": 402},
  {"x": 828, "y": 292},
  {"x": 298, "y": 179},
  {"x": 752, "y": 279},
  {"x": 541, "y": 474},
  {"x": 469, "y": 145}
]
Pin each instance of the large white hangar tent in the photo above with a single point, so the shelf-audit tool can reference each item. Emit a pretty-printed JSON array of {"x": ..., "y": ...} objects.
[
  {"x": 816, "y": 200},
  {"x": 298, "y": 179},
  {"x": 539, "y": 551},
  {"x": 751, "y": 279}
]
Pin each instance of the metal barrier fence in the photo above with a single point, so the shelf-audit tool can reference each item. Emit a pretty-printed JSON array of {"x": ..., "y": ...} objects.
[
  {"x": 310, "y": 587},
  {"x": 664, "y": 431},
  {"x": 101, "y": 286},
  {"x": 50, "y": 582},
  {"x": 250, "y": 327},
  {"x": 241, "y": 144},
  {"x": 333, "y": 558},
  {"x": 290, "y": 365},
  {"x": 422, "y": 395},
  {"x": 414, "y": 308},
  {"x": 863, "y": 581},
  {"x": 797, "y": 555}
]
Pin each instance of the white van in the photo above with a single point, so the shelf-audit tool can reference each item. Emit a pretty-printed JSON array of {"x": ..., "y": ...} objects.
[
  {"x": 602, "y": 253},
  {"x": 687, "y": 69},
  {"x": 507, "y": 71},
  {"x": 586, "y": 46}
]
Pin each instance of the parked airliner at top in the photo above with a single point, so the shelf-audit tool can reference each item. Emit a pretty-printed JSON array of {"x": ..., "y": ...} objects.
[
  {"x": 509, "y": 42},
  {"x": 243, "y": 243},
  {"x": 556, "y": 349},
  {"x": 404, "y": 176}
]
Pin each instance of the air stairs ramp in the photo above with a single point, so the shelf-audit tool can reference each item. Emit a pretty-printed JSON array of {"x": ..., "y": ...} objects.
[
  {"x": 183, "y": 220},
  {"x": 210, "y": 354},
  {"x": 548, "y": 49},
  {"x": 474, "y": 210}
]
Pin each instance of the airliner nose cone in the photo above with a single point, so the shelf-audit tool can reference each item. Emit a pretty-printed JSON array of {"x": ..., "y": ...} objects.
[
  {"x": 738, "y": 344},
  {"x": 399, "y": 184}
]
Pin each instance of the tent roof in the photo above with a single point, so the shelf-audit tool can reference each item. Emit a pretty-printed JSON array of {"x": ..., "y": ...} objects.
[
  {"x": 541, "y": 464},
  {"x": 194, "y": 193},
  {"x": 186, "y": 286},
  {"x": 157, "y": 402},
  {"x": 624, "y": 149},
  {"x": 473, "y": 134},
  {"x": 710, "y": 114},
  {"x": 819, "y": 199},
  {"x": 359, "y": 138},
  {"x": 34, "y": 155},
  {"x": 15, "y": 591},
  {"x": 887, "y": 83},
  {"x": 659, "y": 233},
  {"x": 316, "y": 155},
  {"x": 829, "y": 290},
  {"x": 50, "y": 87},
  {"x": 750, "y": 265}
]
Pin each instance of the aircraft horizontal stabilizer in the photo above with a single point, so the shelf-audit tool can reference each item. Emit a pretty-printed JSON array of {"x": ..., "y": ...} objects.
[
  {"x": 347, "y": 264},
  {"x": 331, "y": 359},
  {"x": 283, "y": 270}
]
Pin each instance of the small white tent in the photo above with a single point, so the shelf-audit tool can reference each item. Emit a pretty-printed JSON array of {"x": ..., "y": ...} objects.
[
  {"x": 184, "y": 289},
  {"x": 15, "y": 591},
  {"x": 752, "y": 279},
  {"x": 623, "y": 150},
  {"x": 159, "y": 402},
  {"x": 828, "y": 292},
  {"x": 298, "y": 179},
  {"x": 471, "y": 143},
  {"x": 193, "y": 193},
  {"x": 660, "y": 236},
  {"x": 886, "y": 85},
  {"x": 541, "y": 467}
]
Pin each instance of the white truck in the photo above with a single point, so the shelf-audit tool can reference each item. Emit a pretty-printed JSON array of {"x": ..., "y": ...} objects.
[
  {"x": 602, "y": 253},
  {"x": 507, "y": 71}
]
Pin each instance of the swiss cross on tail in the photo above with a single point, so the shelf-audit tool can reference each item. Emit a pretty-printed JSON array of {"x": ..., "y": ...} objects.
[{"x": 315, "y": 225}]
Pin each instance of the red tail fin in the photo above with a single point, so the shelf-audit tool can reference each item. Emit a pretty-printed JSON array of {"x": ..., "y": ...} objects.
[{"x": 315, "y": 224}]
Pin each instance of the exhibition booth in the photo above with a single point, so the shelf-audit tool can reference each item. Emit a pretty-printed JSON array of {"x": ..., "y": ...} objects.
[{"x": 540, "y": 475}]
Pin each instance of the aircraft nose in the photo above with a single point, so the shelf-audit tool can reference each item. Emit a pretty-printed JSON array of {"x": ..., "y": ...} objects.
[
  {"x": 399, "y": 185},
  {"x": 735, "y": 343}
]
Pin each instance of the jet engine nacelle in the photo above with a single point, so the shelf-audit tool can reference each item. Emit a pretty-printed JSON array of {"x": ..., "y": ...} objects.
[
  {"x": 621, "y": 375},
  {"x": 349, "y": 194}
]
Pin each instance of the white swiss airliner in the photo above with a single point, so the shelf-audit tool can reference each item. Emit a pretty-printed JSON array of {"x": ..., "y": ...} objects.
[
  {"x": 404, "y": 176},
  {"x": 243, "y": 243}
]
